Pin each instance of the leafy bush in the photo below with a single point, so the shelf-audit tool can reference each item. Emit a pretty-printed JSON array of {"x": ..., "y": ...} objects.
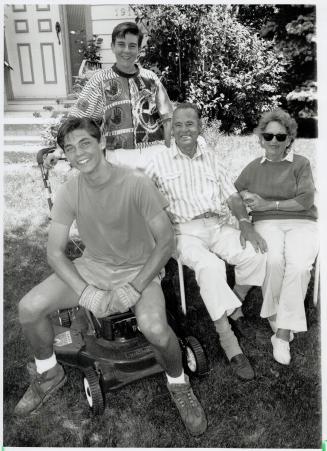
[
  {"x": 50, "y": 131},
  {"x": 207, "y": 57},
  {"x": 90, "y": 50},
  {"x": 291, "y": 29}
]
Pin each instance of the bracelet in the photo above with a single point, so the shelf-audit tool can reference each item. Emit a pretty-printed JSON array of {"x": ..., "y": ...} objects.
[
  {"x": 277, "y": 204},
  {"x": 245, "y": 220}
]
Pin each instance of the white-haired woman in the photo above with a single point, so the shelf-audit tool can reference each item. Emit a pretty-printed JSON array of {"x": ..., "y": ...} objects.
[{"x": 279, "y": 190}]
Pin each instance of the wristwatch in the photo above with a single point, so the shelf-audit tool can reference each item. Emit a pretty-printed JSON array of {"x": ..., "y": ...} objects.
[{"x": 245, "y": 220}]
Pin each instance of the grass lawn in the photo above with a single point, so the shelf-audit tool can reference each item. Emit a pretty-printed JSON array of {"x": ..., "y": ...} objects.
[{"x": 281, "y": 408}]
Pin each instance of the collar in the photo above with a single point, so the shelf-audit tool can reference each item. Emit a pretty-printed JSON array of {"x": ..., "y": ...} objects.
[
  {"x": 123, "y": 74},
  {"x": 289, "y": 157},
  {"x": 201, "y": 143}
]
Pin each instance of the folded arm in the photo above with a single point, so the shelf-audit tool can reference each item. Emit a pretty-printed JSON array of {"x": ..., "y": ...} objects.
[{"x": 258, "y": 203}]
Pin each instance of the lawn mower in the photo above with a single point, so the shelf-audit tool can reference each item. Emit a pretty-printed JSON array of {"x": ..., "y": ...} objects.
[{"x": 111, "y": 352}]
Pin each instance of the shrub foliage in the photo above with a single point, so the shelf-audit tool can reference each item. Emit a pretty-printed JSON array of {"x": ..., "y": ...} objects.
[{"x": 206, "y": 56}]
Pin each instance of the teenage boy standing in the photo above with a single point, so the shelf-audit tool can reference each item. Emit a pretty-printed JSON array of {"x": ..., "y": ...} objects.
[{"x": 129, "y": 101}]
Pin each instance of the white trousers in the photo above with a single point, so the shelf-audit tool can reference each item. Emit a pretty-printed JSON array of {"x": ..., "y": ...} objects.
[
  {"x": 292, "y": 249},
  {"x": 133, "y": 158},
  {"x": 203, "y": 245}
]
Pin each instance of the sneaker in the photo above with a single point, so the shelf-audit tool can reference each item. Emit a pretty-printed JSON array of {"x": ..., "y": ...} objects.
[
  {"x": 242, "y": 367},
  {"x": 42, "y": 386},
  {"x": 190, "y": 409},
  {"x": 281, "y": 350},
  {"x": 243, "y": 327}
]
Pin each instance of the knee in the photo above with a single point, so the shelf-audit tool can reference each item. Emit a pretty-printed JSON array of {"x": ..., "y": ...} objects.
[
  {"x": 211, "y": 265},
  {"x": 31, "y": 308},
  {"x": 154, "y": 328}
]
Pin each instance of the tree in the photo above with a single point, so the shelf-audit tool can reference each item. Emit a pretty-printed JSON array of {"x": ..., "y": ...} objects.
[
  {"x": 291, "y": 30},
  {"x": 173, "y": 42},
  {"x": 208, "y": 57}
]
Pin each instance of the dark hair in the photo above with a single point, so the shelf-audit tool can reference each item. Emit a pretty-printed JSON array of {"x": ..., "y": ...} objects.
[
  {"x": 188, "y": 105},
  {"x": 281, "y": 116},
  {"x": 77, "y": 123},
  {"x": 123, "y": 28}
]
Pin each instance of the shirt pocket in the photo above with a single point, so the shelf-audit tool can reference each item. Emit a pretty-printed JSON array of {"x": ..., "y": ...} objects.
[{"x": 171, "y": 184}]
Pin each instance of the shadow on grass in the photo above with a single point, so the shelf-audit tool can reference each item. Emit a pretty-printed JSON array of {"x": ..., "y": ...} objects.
[{"x": 279, "y": 409}]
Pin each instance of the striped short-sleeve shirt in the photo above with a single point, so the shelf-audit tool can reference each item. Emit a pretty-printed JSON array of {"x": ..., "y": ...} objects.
[{"x": 193, "y": 186}]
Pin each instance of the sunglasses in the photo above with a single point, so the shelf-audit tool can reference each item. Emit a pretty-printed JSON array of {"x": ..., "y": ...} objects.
[{"x": 281, "y": 137}]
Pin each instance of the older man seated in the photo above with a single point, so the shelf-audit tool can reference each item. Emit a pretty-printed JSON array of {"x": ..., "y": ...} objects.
[{"x": 201, "y": 196}]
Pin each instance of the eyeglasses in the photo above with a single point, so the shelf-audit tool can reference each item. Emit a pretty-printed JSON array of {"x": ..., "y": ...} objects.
[{"x": 281, "y": 137}]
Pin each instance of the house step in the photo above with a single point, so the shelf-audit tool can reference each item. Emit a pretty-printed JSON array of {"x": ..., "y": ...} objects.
[
  {"x": 23, "y": 140},
  {"x": 25, "y": 129},
  {"x": 37, "y": 105}
]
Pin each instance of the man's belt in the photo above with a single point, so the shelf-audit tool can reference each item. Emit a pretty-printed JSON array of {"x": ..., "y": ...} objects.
[{"x": 206, "y": 215}]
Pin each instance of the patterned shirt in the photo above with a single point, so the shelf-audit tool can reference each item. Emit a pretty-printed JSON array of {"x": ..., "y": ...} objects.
[
  {"x": 193, "y": 186},
  {"x": 131, "y": 107}
]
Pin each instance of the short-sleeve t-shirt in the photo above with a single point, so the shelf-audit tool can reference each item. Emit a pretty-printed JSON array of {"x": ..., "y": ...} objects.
[{"x": 112, "y": 219}]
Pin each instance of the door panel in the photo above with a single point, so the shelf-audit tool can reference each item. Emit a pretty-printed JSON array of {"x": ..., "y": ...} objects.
[{"x": 34, "y": 51}]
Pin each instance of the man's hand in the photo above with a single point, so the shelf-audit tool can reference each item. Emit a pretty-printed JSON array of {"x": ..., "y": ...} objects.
[
  {"x": 50, "y": 161},
  {"x": 101, "y": 303},
  {"x": 125, "y": 297},
  {"x": 256, "y": 202},
  {"x": 249, "y": 234}
]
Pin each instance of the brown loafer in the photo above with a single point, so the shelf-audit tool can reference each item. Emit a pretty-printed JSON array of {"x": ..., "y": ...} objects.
[{"x": 242, "y": 367}]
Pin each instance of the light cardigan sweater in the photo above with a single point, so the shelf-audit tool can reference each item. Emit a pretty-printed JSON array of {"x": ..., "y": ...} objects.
[{"x": 279, "y": 181}]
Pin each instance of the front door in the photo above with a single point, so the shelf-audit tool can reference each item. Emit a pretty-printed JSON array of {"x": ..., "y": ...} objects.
[{"x": 35, "y": 51}]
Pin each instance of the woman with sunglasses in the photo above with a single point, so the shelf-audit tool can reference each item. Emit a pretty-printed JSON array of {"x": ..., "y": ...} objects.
[{"x": 279, "y": 190}]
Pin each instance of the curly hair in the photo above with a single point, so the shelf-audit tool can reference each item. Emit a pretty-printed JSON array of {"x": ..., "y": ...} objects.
[{"x": 281, "y": 116}]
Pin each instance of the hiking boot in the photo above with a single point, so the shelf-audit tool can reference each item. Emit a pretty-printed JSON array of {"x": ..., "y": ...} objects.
[
  {"x": 42, "y": 386},
  {"x": 242, "y": 367},
  {"x": 243, "y": 327},
  {"x": 190, "y": 409}
]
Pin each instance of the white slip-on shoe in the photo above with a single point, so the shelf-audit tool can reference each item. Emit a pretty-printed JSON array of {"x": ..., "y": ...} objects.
[{"x": 281, "y": 350}]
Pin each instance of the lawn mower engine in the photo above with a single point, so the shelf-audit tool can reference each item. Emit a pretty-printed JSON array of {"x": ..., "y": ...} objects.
[{"x": 111, "y": 352}]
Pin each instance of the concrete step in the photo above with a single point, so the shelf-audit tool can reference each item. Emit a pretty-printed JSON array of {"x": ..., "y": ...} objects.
[
  {"x": 37, "y": 105},
  {"x": 24, "y": 129},
  {"x": 23, "y": 147},
  {"x": 12, "y": 140}
]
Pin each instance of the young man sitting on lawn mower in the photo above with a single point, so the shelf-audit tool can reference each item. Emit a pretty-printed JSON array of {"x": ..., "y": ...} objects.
[{"x": 128, "y": 239}]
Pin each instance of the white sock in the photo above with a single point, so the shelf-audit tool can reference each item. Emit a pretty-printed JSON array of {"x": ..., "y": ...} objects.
[
  {"x": 176, "y": 380},
  {"x": 45, "y": 364}
]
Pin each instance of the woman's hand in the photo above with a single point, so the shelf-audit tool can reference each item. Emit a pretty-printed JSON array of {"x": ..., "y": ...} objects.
[{"x": 256, "y": 202}]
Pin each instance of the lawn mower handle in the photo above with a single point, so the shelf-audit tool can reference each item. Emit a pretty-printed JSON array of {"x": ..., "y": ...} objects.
[{"x": 42, "y": 152}]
